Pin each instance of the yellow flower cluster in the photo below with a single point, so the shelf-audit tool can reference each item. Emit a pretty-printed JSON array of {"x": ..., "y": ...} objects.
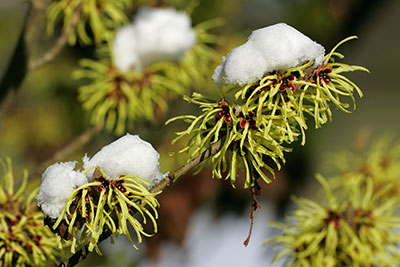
[
  {"x": 103, "y": 206},
  {"x": 358, "y": 226},
  {"x": 103, "y": 17},
  {"x": 267, "y": 114},
  {"x": 118, "y": 99},
  {"x": 24, "y": 240}
]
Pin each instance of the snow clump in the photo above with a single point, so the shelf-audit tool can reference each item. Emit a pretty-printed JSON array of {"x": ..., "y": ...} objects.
[
  {"x": 276, "y": 47},
  {"x": 129, "y": 155},
  {"x": 156, "y": 34},
  {"x": 58, "y": 182}
]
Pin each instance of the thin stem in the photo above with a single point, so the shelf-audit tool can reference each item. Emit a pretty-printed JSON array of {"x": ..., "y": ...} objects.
[
  {"x": 161, "y": 186},
  {"x": 58, "y": 46},
  {"x": 174, "y": 176},
  {"x": 77, "y": 143},
  {"x": 255, "y": 190}
]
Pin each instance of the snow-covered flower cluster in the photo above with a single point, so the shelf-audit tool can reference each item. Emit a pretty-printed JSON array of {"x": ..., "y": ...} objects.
[
  {"x": 116, "y": 181},
  {"x": 149, "y": 62},
  {"x": 127, "y": 156},
  {"x": 275, "y": 80},
  {"x": 276, "y": 47},
  {"x": 156, "y": 34}
]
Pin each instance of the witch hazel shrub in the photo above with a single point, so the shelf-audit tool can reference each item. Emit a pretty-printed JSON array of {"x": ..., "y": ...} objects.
[{"x": 270, "y": 88}]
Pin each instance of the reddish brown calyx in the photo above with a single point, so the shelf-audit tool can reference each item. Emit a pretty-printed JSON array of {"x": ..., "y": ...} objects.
[
  {"x": 104, "y": 183},
  {"x": 287, "y": 83},
  {"x": 118, "y": 184},
  {"x": 247, "y": 119},
  {"x": 363, "y": 217},
  {"x": 323, "y": 74},
  {"x": 146, "y": 81},
  {"x": 334, "y": 217},
  {"x": 224, "y": 112}
]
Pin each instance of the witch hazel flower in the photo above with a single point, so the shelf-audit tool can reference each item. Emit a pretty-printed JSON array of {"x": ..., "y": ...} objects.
[
  {"x": 113, "y": 187},
  {"x": 156, "y": 34},
  {"x": 276, "y": 47},
  {"x": 270, "y": 85},
  {"x": 149, "y": 62}
]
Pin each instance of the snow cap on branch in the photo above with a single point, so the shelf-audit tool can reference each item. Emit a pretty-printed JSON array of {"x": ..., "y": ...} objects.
[
  {"x": 156, "y": 34},
  {"x": 276, "y": 47},
  {"x": 130, "y": 156},
  {"x": 58, "y": 182}
]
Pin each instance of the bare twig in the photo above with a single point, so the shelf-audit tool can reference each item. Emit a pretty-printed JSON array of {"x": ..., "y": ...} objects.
[
  {"x": 255, "y": 190},
  {"x": 77, "y": 143},
  {"x": 170, "y": 179},
  {"x": 58, "y": 46},
  {"x": 173, "y": 176}
]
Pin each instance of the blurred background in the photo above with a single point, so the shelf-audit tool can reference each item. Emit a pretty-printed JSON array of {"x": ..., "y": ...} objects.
[{"x": 203, "y": 221}]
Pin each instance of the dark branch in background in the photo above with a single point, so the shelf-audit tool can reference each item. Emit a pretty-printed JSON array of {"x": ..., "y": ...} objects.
[
  {"x": 161, "y": 186},
  {"x": 76, "y": 144},
  {"x": 17, "y": 67}
]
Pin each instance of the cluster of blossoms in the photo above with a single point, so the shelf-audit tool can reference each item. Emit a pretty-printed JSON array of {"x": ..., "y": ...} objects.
[
  {"x": 149, "y": 62},
  {"x": 273, "y": 82},
  {"x": 24, "y": 240},
  {"x": 357, "y": 227},
  {"x": 103, "y": 16},
  {"x": 381, "y": 164},
  {"x": 82, "y": 205}
]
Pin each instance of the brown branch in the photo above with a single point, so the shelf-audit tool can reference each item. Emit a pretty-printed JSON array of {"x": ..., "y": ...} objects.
[
  {"x": 77, "y": 143},
  {"x": 255, "y": 190},
  {"x": 58, "y": 46},
  {"x": 161, "y": 186},
  {"x": 173, "y": 176}
]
